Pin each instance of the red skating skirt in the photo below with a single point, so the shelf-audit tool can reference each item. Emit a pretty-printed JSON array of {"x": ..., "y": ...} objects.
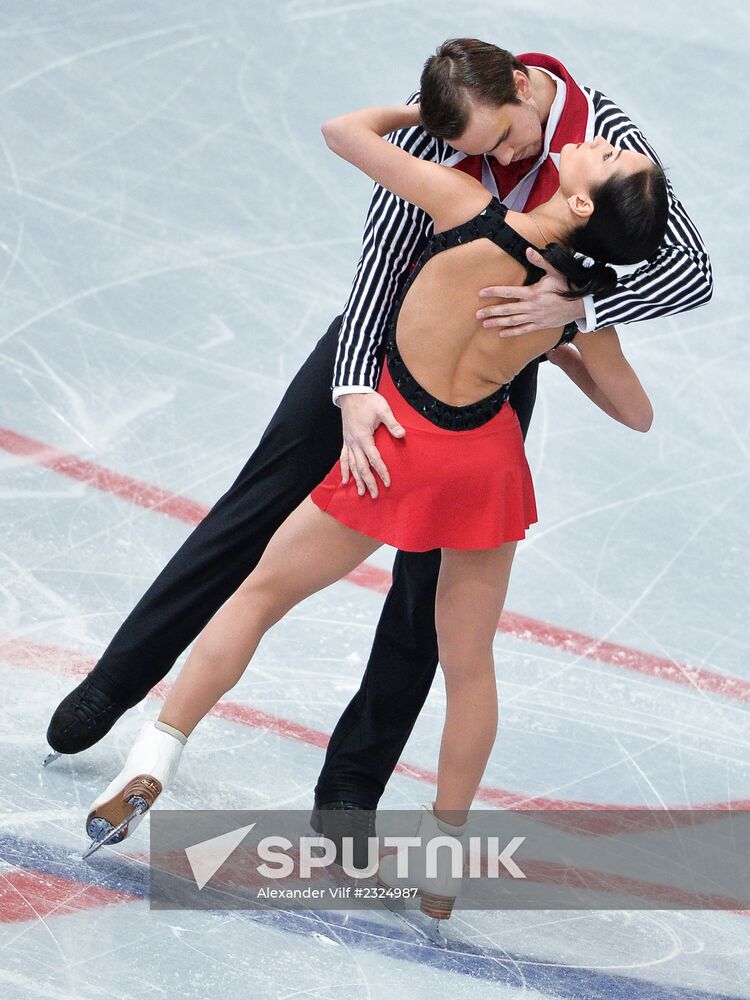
[{"x": 466, "y": 489}]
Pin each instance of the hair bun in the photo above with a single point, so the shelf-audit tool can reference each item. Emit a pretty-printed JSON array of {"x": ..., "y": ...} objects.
[{"x": 584, "y": 274}]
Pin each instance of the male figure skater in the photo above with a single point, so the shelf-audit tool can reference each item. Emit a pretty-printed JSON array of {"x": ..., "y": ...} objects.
[{"x": 505, "y": 120}]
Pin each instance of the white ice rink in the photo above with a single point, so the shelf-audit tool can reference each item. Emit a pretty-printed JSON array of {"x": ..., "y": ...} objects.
[{"x": 174, "y": 238}]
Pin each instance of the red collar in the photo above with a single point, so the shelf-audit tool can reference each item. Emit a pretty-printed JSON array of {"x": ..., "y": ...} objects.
[{"x": 575, "y": 114}]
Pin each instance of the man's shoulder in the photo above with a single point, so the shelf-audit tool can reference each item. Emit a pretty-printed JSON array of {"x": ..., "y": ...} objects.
[
  {"x": 609, "y": 118},
  {"x": 616, "y": 126}
]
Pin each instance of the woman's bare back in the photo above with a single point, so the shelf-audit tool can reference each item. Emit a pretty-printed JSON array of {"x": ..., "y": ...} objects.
[{"x": 441, "y": 341}]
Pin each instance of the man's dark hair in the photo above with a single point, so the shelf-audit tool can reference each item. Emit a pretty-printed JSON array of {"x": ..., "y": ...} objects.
[
  {"x": 461, "y": 70},
  {"x": 628, "y": 225}
]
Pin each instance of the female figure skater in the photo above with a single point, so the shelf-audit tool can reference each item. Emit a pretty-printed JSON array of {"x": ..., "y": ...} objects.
[{"x": 459, "y": 477}]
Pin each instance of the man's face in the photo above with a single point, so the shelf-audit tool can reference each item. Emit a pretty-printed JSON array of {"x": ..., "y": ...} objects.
[{"x": 509, "y": 132}]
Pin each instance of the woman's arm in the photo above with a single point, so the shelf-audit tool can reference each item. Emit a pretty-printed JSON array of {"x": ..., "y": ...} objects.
[
  {"x": 448, "y": 196},
  {"x": 599, "y": 368}
]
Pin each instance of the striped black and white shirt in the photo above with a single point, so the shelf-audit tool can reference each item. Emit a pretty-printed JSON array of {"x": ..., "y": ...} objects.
[{"x": 677, "y": 279}]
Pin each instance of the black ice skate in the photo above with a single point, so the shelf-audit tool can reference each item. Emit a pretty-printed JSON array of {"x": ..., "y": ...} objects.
[
  {"x": 82, "y": 718},
  {"x": 342, "y": 818}
]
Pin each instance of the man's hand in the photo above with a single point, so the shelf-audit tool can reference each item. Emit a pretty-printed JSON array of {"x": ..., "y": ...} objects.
[
  {"x": 362, "y": 414},
  {"x": 537, "y": 307}
]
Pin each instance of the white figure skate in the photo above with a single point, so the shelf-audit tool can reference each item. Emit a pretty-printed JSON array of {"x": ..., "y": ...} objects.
[
  {"x": 151, "y": 765},
  {"x": 436, "y": 894}
]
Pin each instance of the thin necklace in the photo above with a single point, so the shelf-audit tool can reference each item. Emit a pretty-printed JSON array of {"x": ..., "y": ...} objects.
[{"x": 547, "y": 241}]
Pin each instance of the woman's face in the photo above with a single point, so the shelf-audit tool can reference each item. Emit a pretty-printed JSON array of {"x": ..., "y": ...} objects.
[{"x": 586, "y": 165}]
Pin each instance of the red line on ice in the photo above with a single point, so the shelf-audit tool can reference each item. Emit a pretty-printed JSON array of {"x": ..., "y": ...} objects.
[
  {"x": 374, "y": 578},
  {"x": 29, "y": 895},
  {"x": 100, "y": 478}
]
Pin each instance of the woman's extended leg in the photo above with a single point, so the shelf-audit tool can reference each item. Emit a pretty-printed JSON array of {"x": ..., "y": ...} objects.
[
  {"x": 309, "y": 551},
  {"x": 470, "y": 596}
]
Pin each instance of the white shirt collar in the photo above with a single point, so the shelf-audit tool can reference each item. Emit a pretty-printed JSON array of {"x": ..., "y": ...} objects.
[
  {"x": 555, "y": 113},
  {"x": 517, "y": 198}
]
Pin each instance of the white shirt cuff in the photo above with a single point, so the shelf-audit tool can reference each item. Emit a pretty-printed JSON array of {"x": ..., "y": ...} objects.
[
  {"x": 589, "y": 323},
  {"x": 343, "y": 390}
]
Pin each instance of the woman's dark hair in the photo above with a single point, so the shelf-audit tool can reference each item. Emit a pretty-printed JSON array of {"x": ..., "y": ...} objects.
[
  {"x": 627, "y": 226},
  {"x": 464, "y": 68}
]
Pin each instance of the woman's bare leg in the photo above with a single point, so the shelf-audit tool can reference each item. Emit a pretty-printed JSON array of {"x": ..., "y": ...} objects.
[
  {"x": 309, "y": 551},
  {"x": 471, "y": 592}
]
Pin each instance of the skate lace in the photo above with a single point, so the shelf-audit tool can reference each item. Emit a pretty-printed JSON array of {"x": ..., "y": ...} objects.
[{"x": 92, "y": 704}]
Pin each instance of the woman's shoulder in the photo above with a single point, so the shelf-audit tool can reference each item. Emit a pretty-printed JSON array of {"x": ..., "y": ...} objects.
[
  {"x": 485, "y": 213},
  {"x": 471, "y": 202}
]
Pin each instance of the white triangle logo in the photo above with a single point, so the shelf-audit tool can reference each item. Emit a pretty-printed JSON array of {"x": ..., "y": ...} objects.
[{"x": 207, "y": 857}]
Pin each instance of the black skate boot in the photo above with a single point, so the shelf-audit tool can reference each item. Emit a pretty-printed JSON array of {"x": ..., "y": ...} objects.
[
  {"x": 82, "y": 718},
  {"x": 342, "y": 818}
]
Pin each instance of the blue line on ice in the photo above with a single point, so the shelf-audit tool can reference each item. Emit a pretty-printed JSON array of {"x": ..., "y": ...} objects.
[{"x": 392, "y": 939}]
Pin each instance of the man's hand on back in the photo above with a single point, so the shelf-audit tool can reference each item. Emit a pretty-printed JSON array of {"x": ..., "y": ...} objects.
[
  {"x": 538, "y": 306},
  {"x": 362, "y": 414}
]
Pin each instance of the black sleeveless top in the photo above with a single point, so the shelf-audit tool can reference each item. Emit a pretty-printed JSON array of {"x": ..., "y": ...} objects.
[{"x": 489, "y": 224}]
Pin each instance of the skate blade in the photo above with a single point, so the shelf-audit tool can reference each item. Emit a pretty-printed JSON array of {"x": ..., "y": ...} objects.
[
  {"x": 427, "y": 927},
  {"x": 111, "y": 837},
  {"x": 52, "y": 755}
]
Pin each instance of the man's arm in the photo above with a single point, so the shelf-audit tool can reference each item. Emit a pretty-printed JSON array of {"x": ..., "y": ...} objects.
[
  {"x": 395, "y": 232},
  {"x": 677, "y": 279}
]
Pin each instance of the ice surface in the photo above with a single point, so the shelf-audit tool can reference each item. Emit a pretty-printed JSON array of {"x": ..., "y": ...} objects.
[{"x": 174, "y": 238}]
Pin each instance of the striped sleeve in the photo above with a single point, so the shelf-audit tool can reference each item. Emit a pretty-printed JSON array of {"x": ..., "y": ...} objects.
[
  {"x": 395, "y": 233},
  {"x": 679, "y": 277}
]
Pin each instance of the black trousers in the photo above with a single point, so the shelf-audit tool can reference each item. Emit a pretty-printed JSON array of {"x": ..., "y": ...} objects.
[{"x": 297, "y": 450}]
